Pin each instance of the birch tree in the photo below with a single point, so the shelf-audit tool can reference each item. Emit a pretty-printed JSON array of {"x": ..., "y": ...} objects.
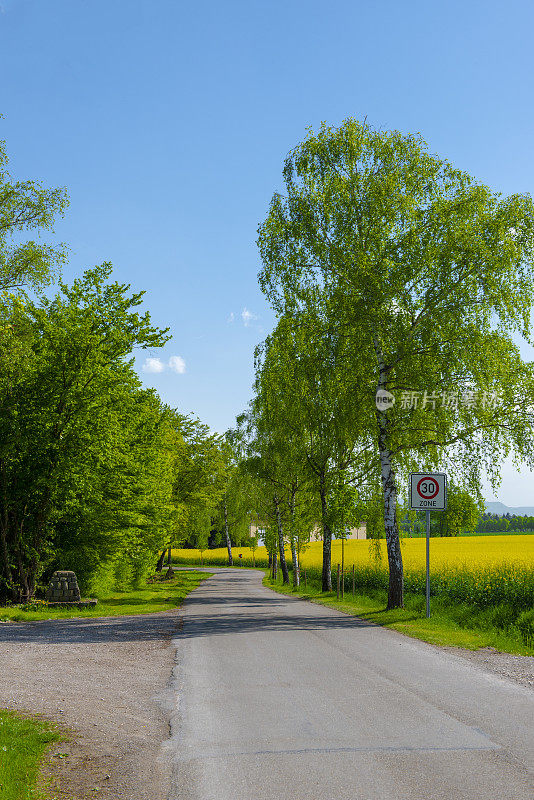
[
  {"x": 233, "y": 514},
  {"x": 313, "y": 416},
  {"x": 270, "y": 456},
  {"x": 267, "y": 462},
  {"x": 427, "y": 273}
]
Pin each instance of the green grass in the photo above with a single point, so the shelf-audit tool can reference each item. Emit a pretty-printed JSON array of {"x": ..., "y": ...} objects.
[
  {"x": 23, "y": 742},
  {"x": 450, "y": 624},
  {"x": 158, "y": 596}
]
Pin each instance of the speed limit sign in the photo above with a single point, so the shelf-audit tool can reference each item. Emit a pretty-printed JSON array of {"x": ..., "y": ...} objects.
[{"x": 428, "y": 490}]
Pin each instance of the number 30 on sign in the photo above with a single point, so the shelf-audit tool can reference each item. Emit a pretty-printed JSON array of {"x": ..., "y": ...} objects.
[{"x": 428, "y": 490}]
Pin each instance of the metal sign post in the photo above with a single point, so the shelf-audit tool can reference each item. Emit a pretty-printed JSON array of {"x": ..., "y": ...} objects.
[
  {"x": 343, "y": 566},
  {"x": 428, "y": 490},
  {"x": 427, "y": 564}
]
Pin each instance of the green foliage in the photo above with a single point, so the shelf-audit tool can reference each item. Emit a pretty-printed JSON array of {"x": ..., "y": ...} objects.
[
  {"x": 27, "y": 206},
  {"x": 199, "y": 470},
  {"x": 85, "y": 454},
  {"x": 419, "y": 275},
  {"x": 96, "y": 473},
  {"x": 489, "y": 523},
  {"x": 525, "y": 624},
  {"x": 461, "y": 514},
  {"x": 236, "y": 491},
  {"x": 306, "y": 422}
]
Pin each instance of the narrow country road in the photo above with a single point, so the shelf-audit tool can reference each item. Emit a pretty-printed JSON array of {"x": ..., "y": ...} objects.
[{"x": 281, "y": 699}]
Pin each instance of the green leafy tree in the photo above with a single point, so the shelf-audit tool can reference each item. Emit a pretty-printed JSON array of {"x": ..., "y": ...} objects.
[
  {"x": 266, "y": 463},
  {"x": 314, "y": 416},
  {"x": 199, "y": 468},
  {"x": 27, "y": 206},
  {"x": 119, "y": 507},
  {"x": 253, "y": 543},
  {"x": 271, "y": 543},
  {"x": 67, "y": 420},
  {"x": 462, "y": 513},
  {"x": 234, "y": 510},
  {"x": 427, "y": 274}
]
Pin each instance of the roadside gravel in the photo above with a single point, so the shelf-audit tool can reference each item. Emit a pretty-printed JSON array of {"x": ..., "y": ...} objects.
[
  {"x": 516, "y": 668},
  {"x": 107, "y": 681}
]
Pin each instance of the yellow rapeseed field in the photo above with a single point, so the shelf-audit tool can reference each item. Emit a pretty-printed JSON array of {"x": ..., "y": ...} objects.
[
  {"x": 466, "y": 551},
  {"x": 469, "y": 552}
]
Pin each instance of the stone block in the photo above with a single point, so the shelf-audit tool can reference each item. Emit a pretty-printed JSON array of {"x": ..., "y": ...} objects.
[{"x": 63, "y": 586}]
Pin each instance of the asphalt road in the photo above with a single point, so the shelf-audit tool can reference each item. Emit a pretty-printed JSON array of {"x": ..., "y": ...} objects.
[{"x": 280, "y": 699}]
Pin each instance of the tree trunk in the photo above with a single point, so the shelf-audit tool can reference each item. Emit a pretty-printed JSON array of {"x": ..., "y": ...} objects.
[
  {"x": 36, "y": 559},
  {"x": 227, "y": 535},
  {"x": 283, "y": 563},
  {"x": 327, "y": 544},
  {"x": 25, "y": 593},
  {"x": 4, "y": 534},
  {"x": 161, "y": 559},
  {"x": 275, "y": 565},
  {"x": 296, "y": 565},
  {"x": 169, "y": 556},
  {"x": 396, "y": 577},
  {"x": 294, "y": 554},
  {"x": 6, "y": 566}
]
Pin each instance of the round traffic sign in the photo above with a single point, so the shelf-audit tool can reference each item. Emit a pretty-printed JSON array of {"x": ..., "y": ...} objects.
[{"x": 427, "y": 488}]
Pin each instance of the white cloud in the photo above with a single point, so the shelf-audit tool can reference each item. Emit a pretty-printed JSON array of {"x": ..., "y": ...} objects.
[
  {"x": 156, "y": 365},
  {"x": 153, "y": 365},
  {"x": 231, "y": 318},
  {"x": 247, "y": 316},
  {"x": 177, "y": 364}
]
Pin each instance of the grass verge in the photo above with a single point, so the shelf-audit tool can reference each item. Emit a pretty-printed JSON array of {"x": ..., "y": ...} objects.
[
  {"x": 23, "y": 742},
  {"x": 161, "y": 595},
  {"x": 452, "y": 625}
]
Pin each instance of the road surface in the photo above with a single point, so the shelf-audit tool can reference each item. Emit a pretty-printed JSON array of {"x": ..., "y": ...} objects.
[{"x": 281, "y": 699}]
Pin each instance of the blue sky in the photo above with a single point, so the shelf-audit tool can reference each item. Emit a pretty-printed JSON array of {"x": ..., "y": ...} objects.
[{"x": 168, "y": 122}]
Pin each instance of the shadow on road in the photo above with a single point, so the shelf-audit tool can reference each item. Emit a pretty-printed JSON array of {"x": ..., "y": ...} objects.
[
  {"x": 171, "y": 624},
  {"x": 221, "y": 624},
  {"x": 150, "y": 627},
  {"x": 232, "y": 613}
]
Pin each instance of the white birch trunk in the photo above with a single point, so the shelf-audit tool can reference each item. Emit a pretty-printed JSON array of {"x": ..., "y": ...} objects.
[
  {"x": 227, "y": 535},
  {"x": 294, "y": 554},
  {"x": 281, "y": 550},
  {"x": 396, "y": 577},
  {"x": 327, "y": 544}
]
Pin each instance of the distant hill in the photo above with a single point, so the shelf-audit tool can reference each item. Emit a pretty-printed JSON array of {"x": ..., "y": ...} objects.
[{"x": 501, "y": 509}]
